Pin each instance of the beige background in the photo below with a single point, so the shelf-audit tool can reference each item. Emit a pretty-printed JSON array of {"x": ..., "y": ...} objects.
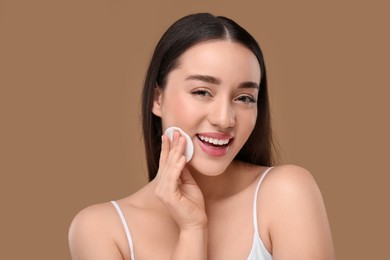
[{"x": 71, "y": 74}]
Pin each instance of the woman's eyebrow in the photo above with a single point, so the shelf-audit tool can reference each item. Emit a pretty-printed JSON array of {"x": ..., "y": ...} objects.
[
  {"x": 249, "y": 84},
  {"x": 217, "y": 81},
  {"x": 205, "y": 78}
]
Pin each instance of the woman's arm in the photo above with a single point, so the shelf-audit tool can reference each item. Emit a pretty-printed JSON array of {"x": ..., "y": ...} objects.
[
  {"x": 192, "y": 244},
  {"x": 91, "y": 234},
  {"x": 298, "y": 224},
  {"x": 178, "y": 191}
]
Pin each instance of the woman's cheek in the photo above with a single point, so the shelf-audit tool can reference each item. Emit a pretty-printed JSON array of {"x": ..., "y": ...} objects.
[{"x": 181, "y": 111}]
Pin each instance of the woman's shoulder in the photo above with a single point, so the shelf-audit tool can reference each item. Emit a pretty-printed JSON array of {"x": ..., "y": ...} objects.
[
  {"x": 292, "y": 204},
  {"x": 99, "y": 228},
  {"x": 288, "y": 185},
  {"x": 93, "y": 232},
  {"x": 290, "y": 176},
  {"x": 92, "y": 216},
  {"x": 282, "y": 178},
  {"x": 104, "y": 216}
]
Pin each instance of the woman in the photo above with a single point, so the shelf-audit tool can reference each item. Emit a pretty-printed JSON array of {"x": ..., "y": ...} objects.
[{"x": 207, "y": 76}]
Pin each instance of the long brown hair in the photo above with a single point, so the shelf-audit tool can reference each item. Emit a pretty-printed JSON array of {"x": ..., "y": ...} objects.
[{"x": 180, "y": 36}]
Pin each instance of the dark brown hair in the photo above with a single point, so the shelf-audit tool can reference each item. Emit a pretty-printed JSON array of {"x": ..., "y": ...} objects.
[{"x": 180, "y": 36}]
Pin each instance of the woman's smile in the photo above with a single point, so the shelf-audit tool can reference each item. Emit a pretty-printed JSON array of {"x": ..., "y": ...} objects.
[{"x": 214, "y": 144}]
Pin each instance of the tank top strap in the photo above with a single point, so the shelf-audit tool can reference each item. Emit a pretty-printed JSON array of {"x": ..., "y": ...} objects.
[
  {"x": 255, "y": 200},
  {"x": 126, "y": 227}
]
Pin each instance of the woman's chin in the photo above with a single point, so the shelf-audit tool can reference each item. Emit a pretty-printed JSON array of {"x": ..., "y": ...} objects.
[{"x": 213, "y": 168}]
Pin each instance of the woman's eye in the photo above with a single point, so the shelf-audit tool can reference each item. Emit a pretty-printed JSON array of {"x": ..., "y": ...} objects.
[
  {"x": 246, "y": 99},
  {"x": 201, "y": 92}
]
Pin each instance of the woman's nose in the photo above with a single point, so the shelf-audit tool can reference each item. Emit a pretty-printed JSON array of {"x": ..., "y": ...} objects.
[{"x": 222, "y": 115}]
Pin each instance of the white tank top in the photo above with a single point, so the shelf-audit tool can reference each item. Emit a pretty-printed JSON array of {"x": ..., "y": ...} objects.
[{"x": 258, "y": 251}]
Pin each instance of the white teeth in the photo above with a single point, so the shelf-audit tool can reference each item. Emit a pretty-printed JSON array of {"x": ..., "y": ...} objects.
[{"x": 213, "y": 141}]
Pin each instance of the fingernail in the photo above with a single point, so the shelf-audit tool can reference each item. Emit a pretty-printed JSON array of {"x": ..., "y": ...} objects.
[{"x": 175, "y": 135}]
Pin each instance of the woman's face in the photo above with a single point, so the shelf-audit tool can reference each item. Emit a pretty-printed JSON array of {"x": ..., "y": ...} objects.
[{"x": 212, "y": 96}]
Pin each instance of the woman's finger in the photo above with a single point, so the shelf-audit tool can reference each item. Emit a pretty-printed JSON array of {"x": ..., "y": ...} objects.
[
  {"x": 172, "y": 162},
  {"x": 165, "y": 148},
  {"x": 176, "y": 160},
  {"x": 178, "y": 146}
]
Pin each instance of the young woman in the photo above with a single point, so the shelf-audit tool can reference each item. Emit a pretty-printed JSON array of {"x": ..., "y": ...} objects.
[{"x": 207, "y": 76}]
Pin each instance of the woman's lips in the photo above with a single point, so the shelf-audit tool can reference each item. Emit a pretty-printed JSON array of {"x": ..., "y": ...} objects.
[
  {"x": 216, "y": 135},
  {"x": 214, "y": 144}
]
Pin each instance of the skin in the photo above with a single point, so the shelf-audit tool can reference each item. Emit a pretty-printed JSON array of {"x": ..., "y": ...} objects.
[{"x": 199, "y": 209}]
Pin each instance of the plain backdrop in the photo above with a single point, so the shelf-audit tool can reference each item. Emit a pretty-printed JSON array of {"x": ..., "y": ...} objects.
[{"x": 71, "y": 73}]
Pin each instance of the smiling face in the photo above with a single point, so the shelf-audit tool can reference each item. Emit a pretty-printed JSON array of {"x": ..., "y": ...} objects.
[{"x": 212, "y": 96}]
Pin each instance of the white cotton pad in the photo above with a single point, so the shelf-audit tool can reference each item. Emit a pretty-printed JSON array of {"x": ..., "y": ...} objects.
[{"x": 190, "y": 146}]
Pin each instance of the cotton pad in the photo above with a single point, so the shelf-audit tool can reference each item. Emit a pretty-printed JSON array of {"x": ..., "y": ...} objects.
[{"x": 190, "y": 146}]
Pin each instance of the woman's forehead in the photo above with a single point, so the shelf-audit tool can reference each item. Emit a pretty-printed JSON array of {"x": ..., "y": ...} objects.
[{"x": 223, "y": 59}]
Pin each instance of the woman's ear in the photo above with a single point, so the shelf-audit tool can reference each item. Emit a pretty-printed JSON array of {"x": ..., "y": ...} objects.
[{"x": 157, "y": 101}]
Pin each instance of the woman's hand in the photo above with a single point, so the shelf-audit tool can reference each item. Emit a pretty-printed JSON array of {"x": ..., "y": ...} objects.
[{"x": 176, "y": 187}]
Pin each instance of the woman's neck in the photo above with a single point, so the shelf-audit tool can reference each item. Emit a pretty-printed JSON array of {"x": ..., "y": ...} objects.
[{"x": 231, "y": 181}]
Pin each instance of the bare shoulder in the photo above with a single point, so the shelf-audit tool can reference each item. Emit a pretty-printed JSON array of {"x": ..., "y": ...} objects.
[
  {"x": 293, "y": 188},
  {"x": 92, "y": 218},
  {"x": 92, "y": 233},
  {"x": 296, "y": 215},
  {"x": 287, "y": 179},
  {"x": 289, "y": 190}
]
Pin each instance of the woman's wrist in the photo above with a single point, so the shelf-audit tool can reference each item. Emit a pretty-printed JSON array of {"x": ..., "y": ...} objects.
[
  {"x": 192, "y": 244},
  {"x": 195, "y": 236},
  {"x": 200, "y": 225},
  {"x": 188, "y": 233}
]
